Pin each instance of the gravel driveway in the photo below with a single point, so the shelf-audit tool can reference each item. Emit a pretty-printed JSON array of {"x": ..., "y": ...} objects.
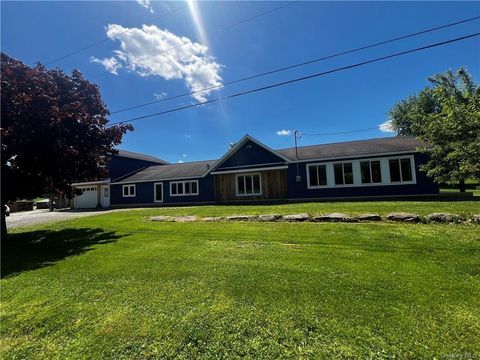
[{"x": 43, "y": 216}]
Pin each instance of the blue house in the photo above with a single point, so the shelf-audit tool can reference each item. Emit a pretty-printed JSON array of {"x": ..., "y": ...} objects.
[
  {"x": 97, "y": 193},
  {"x": 251, "y": 172}
]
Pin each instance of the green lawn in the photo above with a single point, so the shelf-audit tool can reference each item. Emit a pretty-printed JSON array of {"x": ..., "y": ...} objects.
[{"x": 117, "y": 286}]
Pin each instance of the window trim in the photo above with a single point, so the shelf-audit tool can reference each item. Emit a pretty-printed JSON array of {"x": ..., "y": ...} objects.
[
  {"x": 412, "y": 169},
  {"x": 343, "y": 184},
  {"x": 129, "y": 194},
  {"x": 371, "y": 172},
  {"x": 244, "y": 182},
  {"x": 357, "y": 180},
  {"x": 308, "y": 176},
  {"x": 183, "y": 185},
  {"x": 155, "y": 192}
]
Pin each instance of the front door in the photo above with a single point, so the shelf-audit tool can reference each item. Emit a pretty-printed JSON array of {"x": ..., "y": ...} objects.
[{"x": 105, "y": 196}]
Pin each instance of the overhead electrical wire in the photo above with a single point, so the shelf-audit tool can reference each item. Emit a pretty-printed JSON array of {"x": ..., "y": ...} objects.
[
  {"x": 107, "y": 38},
  {"x": 365, "y": 47},
  {"x": 187, "y": 43},
  {"x": 303, "y": 78}
]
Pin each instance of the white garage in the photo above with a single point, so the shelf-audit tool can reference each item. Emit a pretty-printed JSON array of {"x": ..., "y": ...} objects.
[{"x": 88, "y": 199}]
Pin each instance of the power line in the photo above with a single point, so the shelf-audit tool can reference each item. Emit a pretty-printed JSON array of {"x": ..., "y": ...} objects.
[
  {"x": 187, "y": 43},
  {"x": 298, "y": 65},
  {"x": 107, "y": 38},
  {"x": 257, "y": 16},
  {"x": 301, "y": 78}
]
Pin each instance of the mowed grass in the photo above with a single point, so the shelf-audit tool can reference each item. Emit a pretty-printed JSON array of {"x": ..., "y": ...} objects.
[{"x": 118, "y": 286}]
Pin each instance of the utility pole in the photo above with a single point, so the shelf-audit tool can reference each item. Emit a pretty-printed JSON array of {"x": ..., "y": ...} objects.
[{"x": 296, "y": 134}]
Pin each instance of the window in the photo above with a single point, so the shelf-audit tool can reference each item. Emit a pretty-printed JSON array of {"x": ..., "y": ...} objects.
[
  {"x": 158, "y": 188},
  {"x": 249, "y": 185},
  {"x": 400, "y": 170},
  {"x": 128, "y": 190},
  {"x": 317, "y": 176},
  {"x": 184, "y": 188},
  {"x": 343, "y": 173},
  {"x": 371, "y": 172}
]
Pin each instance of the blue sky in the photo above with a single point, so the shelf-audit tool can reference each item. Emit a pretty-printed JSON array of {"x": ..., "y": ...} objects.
[{"x": 212, "y": 51}]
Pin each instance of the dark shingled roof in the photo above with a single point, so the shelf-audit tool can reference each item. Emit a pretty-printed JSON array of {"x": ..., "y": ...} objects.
[
  {"x": 171, "y": 171},
  {"x": 324, "y": 151},
  {"x": 354, "y": 148},
  {"x": 134, "y": 155}
]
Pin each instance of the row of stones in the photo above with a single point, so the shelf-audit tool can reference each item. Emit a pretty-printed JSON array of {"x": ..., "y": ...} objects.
[{"x": 333, "y": 217}]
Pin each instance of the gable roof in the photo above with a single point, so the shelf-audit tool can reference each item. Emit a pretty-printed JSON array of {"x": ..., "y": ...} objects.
[
  {"x": 170, "y": 172},
  {"x": 347, "y": 149},
  {"x": 356, "y": 148},
  {"x": 239, "y": 144},
  {"x": 138, "y": 156}
]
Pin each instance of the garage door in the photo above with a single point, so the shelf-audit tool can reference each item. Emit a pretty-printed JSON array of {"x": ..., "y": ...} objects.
[{"x": 88, "y": 199}]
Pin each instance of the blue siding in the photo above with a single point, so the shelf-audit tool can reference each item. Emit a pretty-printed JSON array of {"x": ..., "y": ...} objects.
[
  {"x": 296, "y": 190},
  {"x": 251, "y": 154},
  {"x": 119, "y": 166},
  {"x": 299, "y": 190},
  {"x": 145, "y": 193}
]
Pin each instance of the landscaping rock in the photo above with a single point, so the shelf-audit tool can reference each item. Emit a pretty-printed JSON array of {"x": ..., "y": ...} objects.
[
  {"x": 443, "y": 217},
  {"x": 185, "y": 218},
  {"x": 242, "y": 218},
  {"x": 213, "y": 219},
  {"x": 369, "y": 217},
  {"x": 269, "y": 217},
  {"x": 161, "y": 218},
  {"x": 334, "y": 217},
  {"x": 402, "y": 216},
  {"x": 296, "y": 217},
  {"x": 476, "y": 219}
]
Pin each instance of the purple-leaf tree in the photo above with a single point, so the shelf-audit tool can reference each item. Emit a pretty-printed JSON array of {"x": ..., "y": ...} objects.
[{"x": 54, "y": 131}]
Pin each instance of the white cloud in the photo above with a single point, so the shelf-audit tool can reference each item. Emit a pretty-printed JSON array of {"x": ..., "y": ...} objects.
[
  {"x": 146, "y": 4},
  {"x": 184, "y": 155},
  {"x": 151, "y": 51},
  {"x": 386, "y": 127},
  {"x": 110, "y": 64},
  {"x": 180, "y": 161},
  {"x": 160, "y": 95},
  {"x": 284, "y": 132}
]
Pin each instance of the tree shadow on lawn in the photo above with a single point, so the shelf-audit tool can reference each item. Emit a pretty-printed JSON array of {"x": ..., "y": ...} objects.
[{"x": 35, "y": 249}]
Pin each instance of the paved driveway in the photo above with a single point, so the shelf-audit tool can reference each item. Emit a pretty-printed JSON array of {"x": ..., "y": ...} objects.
[{"x": 43, "y": 216}]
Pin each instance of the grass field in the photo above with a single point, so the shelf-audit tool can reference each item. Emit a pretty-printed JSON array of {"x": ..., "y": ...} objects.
[{"x": 117, "y": 286}]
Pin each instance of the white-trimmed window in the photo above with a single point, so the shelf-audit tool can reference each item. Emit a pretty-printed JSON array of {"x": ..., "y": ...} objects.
[
  {"x": 128, "y": 190},
  {"x": 249, "y": 184},
  {"x": 400, "y": 170},
  {"x": 343, "y": 173},
  {"x": 158, "y": 192},
  {"x": 184, "y": 188},
  {"x": 317, "y": 175},
  {"x": 371, "y": 171}
]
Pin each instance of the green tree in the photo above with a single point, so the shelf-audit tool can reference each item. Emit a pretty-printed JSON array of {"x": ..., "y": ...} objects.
[
  {"x": 447, "y": 116},
  {"x": 54, "y": 131}
]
